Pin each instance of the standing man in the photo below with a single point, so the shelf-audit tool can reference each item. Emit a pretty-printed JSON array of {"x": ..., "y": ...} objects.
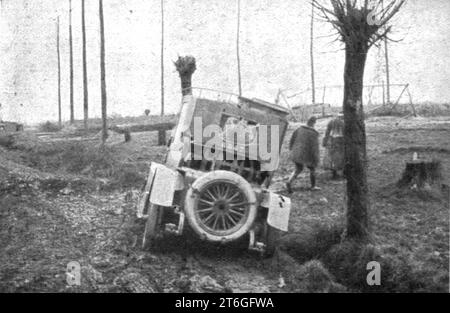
[
  {"x": 334, "y": 144},
  {"x": 304, "y": 149}
]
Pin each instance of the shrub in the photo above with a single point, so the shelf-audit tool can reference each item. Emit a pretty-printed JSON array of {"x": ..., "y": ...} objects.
[
  {"x": 49, "y": 127},
  {"x": 7, "y": 141}
]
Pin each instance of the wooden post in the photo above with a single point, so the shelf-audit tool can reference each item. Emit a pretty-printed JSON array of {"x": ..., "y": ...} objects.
[
  {"x": 323, "y": 95},
  {"x": 401, "y": 94},
  {"x": 411, "y": 102}
]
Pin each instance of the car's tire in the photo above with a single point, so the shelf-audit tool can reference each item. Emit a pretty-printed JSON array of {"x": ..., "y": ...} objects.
[{"x": 220, "y": 206}]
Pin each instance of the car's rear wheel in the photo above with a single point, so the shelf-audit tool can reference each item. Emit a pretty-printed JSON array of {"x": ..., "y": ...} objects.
[{"x": 221, "y": 206}]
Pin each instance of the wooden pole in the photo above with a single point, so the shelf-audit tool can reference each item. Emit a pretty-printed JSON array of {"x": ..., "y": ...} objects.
[
  {"x": 162, "y": 57},
  {"x": 103, "y": 73},
  {"x": 237, "y": 46},
  {"x": 85, "y": 79},
  {"x": 399, "y": 97},
  {"x": 323, "y": 95},
  {"x": 311, "y": 51},
  {"x": 58, "y": 51},
  {"x": 411, "y": 102},
  {"x": 72, "y": 115}
]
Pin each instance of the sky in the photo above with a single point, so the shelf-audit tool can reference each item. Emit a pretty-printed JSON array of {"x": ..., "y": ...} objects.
[{"x": 274, "y": 54}]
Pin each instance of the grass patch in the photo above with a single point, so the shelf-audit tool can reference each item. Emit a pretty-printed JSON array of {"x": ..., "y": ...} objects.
[
  {"x": 345, "y": 261},
  {"x": 423, "y": 109},
  {"x": 85, "y": 159},
  {"x": 348, "y": 261}
]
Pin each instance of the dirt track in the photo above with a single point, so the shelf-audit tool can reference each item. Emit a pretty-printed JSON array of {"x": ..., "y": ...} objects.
[{"x": 42, "y": 228}]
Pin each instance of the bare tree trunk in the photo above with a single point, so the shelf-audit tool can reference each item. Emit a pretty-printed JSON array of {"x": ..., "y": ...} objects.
[
  {"x": 355, "y": 143},
  {"x": 59, "y": 74},
  {"x": 238, "y": 46},
  {"x": 103, "y": 73},
  {"x": 85, "y": 82},
  {"x": 313, "y": 83},
  {"x": 72, "y": 115},
  {"x": 162, "y": 57},
  {"x": 162, "y": 134},
  {"x": 388, "y": 79}
]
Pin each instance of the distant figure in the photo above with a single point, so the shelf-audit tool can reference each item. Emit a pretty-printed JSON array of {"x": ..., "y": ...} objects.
[
  {"x": 334, "y": 144},
  {"x": 304, "y": 148}
]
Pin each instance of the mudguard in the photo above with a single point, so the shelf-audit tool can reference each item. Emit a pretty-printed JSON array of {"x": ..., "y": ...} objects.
[
  {"x": 279, "y": 209},
  {"x": 160, "y": 188}
]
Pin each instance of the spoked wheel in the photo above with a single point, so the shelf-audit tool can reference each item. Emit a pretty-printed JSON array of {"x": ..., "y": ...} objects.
[{"x": 221, "y": 206}]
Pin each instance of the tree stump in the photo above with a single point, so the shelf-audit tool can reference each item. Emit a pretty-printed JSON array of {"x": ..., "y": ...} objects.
[
  {"x": 162, "y": 138},
  {"x": 421, "y": 174}
]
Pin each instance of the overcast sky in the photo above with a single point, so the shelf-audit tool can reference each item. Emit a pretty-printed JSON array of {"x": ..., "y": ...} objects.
[{"x": 274, "y": 53}]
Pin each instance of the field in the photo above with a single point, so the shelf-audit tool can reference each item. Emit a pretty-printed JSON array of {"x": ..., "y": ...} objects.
[{"x": 63, "y": 201}]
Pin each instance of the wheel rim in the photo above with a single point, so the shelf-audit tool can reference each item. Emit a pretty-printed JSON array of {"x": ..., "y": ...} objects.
[{"x": 222, "y": 208}]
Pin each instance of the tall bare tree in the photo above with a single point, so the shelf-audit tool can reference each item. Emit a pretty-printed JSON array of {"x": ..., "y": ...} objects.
[
  {"x": 311, "y": 51},
  {"x": 238, "y": 56},
  {"x": 388, "y": 76},
  {"x": 58, "y": 51},
  {"x": 359, "y": 24},
  {"x": 162, "y": 57},
  {"x": 103, "y": 72},
  {"x": 72, "y": 114},
  {"x": 85, "y": 79},
  {"x": 162, "y": 133}
]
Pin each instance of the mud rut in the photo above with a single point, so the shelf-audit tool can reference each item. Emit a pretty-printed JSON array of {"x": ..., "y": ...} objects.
[{"x": 100, "y": 232}]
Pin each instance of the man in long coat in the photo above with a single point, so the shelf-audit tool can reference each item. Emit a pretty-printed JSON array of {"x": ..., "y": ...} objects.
[
  {"x": 304, "y": 149},
  {"x": 334, "y": 144}
]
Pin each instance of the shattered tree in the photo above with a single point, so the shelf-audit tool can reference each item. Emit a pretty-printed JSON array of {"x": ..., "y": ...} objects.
[
  {"x": 359, "y": 25},
  {"x": 186, "y": 67}
]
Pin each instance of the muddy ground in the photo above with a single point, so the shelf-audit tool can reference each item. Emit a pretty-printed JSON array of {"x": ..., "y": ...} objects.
[{"x": 51, "y": 216}]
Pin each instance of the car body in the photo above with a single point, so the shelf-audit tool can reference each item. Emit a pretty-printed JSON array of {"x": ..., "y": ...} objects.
[{"x": 221, "y": 191}]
